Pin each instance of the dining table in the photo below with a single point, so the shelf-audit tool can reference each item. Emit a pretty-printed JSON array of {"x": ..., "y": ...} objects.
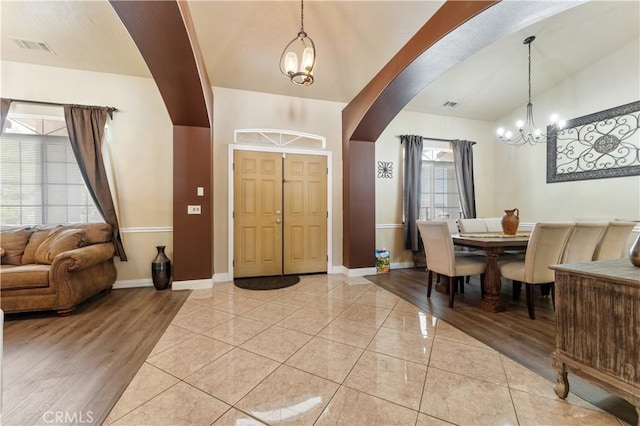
[{"x": 493, "y": 244}]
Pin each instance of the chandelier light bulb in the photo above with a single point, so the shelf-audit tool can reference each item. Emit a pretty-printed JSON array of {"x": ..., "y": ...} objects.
[
  {"x": 519, "y": 124},
  {"x": 291, "y": 62},
  {"x": 537, "y": 133},
  {"x": 561, "y": 124},
  {"x": 500, "y": 131},
  {"x": 307, "y": 60},
  {"x": 554, "y": 118},
  {"x": 508, "y": 135}
]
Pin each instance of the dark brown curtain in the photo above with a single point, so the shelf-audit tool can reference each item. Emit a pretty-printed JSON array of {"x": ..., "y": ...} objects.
[
  {"x": 85, "y": 125},
  {"x": 4, "y": 110}
]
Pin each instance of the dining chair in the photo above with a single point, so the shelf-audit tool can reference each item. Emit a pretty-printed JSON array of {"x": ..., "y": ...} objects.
[
  {"x": 583, "y": 241},
  {"x": 472, "y": 225},
  {"x": 613, "y": 240},
  {"x": 443, "y": 260},
  {"x": 493, "y": 224},
  {"x": 546, "y": 247}
]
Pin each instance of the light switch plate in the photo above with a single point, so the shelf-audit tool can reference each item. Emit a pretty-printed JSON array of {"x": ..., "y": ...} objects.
[
  {"x": 200, "y": 191},
  {"x": 194, "y": 209}
]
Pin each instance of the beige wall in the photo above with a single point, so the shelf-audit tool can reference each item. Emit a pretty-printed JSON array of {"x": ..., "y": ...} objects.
[
  {"x": 140, "y": 142},
  {"x": 238, "y": 109},
  {"x": 506, "y": 177},
  {"x": 389, "y": 232},
  {"x": 521, "y": 171}
]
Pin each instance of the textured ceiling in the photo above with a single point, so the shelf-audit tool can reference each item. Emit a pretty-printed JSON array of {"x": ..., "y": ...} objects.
[{"x": 241, "y": 42}]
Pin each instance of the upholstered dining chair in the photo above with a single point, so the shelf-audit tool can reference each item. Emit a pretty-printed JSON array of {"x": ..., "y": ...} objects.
[
  {"x": 472, "y": 225},
  {"x": 612, "y": 244},
  {"x": 493, "y": 224},
  {"x": 583, "y": 241},
  {"x": 443, "y": 260},
  {"x": 546, "y": 247}
]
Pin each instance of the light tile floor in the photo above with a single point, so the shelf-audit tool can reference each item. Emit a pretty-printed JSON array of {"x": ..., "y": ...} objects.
[{"x": 332, "y": 350}]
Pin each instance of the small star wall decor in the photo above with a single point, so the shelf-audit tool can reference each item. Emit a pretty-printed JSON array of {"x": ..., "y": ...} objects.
[{"x": 385, "y": 169}]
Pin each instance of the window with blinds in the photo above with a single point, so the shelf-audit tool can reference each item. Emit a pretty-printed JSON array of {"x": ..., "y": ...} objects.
[
  {"x": 40, "y": 181},
  {"x": 439, "y": 200}
]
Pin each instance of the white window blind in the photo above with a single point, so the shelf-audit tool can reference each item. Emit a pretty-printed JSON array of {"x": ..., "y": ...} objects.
[{"x": 40, "y": 182}]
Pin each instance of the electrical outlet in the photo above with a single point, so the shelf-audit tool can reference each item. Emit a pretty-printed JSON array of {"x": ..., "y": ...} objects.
[{"x": 194, "y": 209}]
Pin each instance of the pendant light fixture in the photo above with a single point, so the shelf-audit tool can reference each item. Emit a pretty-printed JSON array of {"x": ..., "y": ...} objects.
[
  {"x": 303, "y": 48},
  {"x": 528, "y": 132}
]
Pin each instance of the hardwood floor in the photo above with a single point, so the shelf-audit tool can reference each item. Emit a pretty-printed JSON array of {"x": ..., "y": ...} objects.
[
  {"x": 512, "y": 333},
  {"x": 77, "y": 367}
]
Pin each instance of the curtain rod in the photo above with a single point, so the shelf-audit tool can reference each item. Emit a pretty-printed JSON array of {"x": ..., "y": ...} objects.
[
  {"x": 109, "y": 109},
  {"x": 437, "y": 139}
]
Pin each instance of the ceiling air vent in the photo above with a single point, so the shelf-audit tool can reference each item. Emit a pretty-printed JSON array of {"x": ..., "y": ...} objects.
[
  {"x": 450, "y": 104},
  {"x": 33, "y": 46}
]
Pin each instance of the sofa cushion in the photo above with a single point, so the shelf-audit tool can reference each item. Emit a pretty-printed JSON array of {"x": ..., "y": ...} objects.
[
  {"x": 40, "y": 234},
  {"x": 25, "y": 276},
  {"x": 58, "y": 241},
  {"x": 14, "y": 241},
  {"x": 96, "y": 232}
]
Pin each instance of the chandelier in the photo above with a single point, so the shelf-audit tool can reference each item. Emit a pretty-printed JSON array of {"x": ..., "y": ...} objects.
[
  {"x": 528, "y": 132},
  {"x": 302, "y": 44}
]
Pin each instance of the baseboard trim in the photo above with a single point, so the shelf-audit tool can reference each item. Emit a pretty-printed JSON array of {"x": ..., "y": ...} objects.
[
  {"x": 358, "y": 272},
  {"x": 192, "y": 284},
  {"x": 337, "y": 270},
  {"x": 132, "y": 284},
  {"x": 402, "y": 265},
  {"x": 222, "y": 277}
]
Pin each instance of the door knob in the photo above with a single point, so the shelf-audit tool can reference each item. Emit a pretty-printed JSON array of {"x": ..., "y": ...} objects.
[
  {"x": 278, "y": 212},
  {"x": 278, "y": 221}
]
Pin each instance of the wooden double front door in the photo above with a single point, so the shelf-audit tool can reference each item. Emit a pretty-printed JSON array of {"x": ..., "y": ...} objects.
[{"x": 280, "y": 213}]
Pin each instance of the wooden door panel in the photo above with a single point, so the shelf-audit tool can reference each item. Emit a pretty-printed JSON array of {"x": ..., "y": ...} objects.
[
  {"x": 257, "y": 203},
  {"x": 305, "y": 214}
]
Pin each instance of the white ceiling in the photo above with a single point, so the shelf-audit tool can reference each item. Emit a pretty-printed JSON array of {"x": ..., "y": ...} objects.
[{"x": 241, "y": 42}]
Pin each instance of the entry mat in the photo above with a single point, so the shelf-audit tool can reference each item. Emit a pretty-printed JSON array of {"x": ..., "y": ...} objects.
[{"x": 266, "y": 283}]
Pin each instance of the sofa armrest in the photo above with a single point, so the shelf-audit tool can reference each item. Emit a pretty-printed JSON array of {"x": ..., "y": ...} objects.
[{"x": 83, "y": 257}]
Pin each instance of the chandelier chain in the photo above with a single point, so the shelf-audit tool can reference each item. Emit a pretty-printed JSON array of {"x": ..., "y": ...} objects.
[
  {"x": 301, "y": 15},
  {"x": 529, "y": 72}
]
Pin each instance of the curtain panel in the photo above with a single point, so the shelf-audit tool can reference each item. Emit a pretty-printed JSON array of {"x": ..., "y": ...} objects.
[
  {"x": 412, "y": 189},
  {"x": 85, "y": 126},
  {"x": 4, "y": 111},
  {"x": 463, "y": 166}
]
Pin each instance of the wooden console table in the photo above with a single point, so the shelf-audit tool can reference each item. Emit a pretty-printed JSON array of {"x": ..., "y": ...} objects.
[{"x": 598, "y": 326}]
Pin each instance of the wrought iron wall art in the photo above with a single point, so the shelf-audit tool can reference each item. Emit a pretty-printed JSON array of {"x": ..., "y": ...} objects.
[
  {"x": 600, "y": 145},
  {"x": 385, "y": 169}
]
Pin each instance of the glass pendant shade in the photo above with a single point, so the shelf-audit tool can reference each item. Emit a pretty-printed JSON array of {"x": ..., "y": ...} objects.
[
  {"x": 307, "y": 60},
  {"x": 291, "y": 63}
]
